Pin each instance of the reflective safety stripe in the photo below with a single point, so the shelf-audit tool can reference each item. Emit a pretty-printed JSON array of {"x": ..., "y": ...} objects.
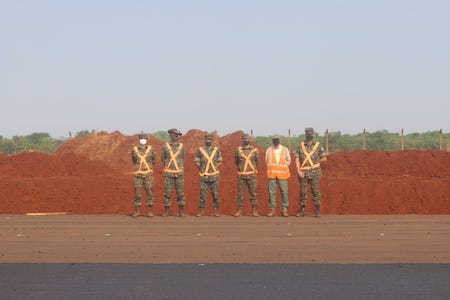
[
  {"x": 210, "y": 163},
  {"x": 308, "y": 159},
  {"x": 142, "y": 161},
  {"x": 248, "y": 162},
  {"x": 173, "y": 160}
]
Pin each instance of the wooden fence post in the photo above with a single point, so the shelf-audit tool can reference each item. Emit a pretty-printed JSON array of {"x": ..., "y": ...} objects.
[
  {"x": 326, "y": 141},
  {"x": 289, "y": 136},
  {"x": 402, "y": 141},
  {"x": 364, "y": 139},
  {"x": 441, "y": 146}
]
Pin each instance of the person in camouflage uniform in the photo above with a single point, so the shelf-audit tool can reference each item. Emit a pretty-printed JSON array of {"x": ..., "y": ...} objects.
[
  {"x": 172, "y": 157},
  {"x": 144, "y": 158},
  {"x": 246, "y": 158},
  {"x": 208, "y": 158},
  {"x": 308, "y": 157}
]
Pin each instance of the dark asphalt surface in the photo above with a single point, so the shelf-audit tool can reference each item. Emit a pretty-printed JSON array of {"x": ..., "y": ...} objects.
[{"x": 224, "y": 281}]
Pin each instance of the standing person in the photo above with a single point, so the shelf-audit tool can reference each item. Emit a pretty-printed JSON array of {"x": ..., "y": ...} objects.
[
  {"x": 278, "y": 160},
  {"x": 208, "y": 159},
  {"x": 246, "y": 158},
  {"x": 172, "y": 157},
  {"x": 308, "y": 157},
  {"x": 143, "y": 157}
]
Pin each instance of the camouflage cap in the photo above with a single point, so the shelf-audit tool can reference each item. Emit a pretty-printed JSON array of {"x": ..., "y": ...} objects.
[
  {"x": 142, "y": 135},
  {"x": 174, "y": 130},
  {"x": 246, "y": 136},
  {"x": 276, "y": 137},
  {"x": 208, "y": 136},
  {"x": 309, "y": 130}
]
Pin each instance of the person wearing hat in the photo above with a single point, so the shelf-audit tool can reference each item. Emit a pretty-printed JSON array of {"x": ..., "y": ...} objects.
[
  {"x": 208, "y": 159},
  {"x": 246, "y": 158},
  {"x": 172, "y": 157},
  {"x": 308, "y": 156},
  {"x": 278, "y": 160},
  {"x": 143, "y": 157}
]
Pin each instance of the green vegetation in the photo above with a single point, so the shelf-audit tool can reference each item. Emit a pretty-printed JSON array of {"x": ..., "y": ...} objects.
[{"x": 379, "y": 140}]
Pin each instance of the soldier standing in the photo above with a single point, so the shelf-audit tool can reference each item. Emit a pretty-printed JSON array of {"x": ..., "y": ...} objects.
[
  {"x": 246, "y": 158},
  {"x": 172, "y": 157},
  {"x": 278, "y": 160},
  {"x": 309, "y": 155},
  {"x": 208, "y": 158},
  {"x": 144, "y": 158}
]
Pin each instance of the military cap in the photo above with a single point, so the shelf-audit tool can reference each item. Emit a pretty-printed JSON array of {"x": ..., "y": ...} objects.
[
  {"x": 275, "y": 137},
  {"x": 208, "y": 136},
  {"x": 142, "y": 135},
  {"x": 246, "y": 136},
  {"x": 309, "y": 130},
  {"x": 174, "y": 130}
]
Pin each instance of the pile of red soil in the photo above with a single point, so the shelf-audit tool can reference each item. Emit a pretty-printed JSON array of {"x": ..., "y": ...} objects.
[{"x": 92, "y": 175}]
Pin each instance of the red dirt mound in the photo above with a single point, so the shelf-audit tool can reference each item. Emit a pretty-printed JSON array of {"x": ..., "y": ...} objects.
[{"x": 92, "y": 175}]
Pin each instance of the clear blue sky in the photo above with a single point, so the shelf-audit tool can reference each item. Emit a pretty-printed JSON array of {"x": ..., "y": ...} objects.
[{"x": 229, "y": 65}]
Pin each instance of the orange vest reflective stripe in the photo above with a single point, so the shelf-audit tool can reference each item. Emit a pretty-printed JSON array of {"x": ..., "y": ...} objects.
[
  {"x": 210, "y": 163},
  {"x": 280, "y": 170},
  {"x": 248, "y": 162},
  {"x": 308, "y": 156},
  {"x": 173, "y": 160},
  {"x": 142, "y": 161}
]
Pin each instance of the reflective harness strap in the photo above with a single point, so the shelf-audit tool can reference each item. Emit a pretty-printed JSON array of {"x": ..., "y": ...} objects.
[
  {"x": 173, "y": 160},
  {"x": 308, "y": 157},
  {"x": 248, "y": 162},
  {"x": 210, "y": 162},
  {"x": 142, "y": 161}
]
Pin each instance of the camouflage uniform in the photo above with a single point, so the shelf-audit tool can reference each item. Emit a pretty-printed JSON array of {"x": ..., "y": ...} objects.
[
  {"x": 312, "y": 176},
  {"x": 172, "y": 176},
  {"x": 209, "y": 174},
  {"x": 246, "y": 174},
  {"x": 143, "y": 174}
]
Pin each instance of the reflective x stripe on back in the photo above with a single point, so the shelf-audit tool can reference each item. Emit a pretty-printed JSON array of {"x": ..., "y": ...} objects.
[
  {"x": 308, "y": 157},
  {"x": 143, "y": 161},
  {"x": 173, "y": 159},
  {"x": 210, "y": 162},
  {"x": 248, "y": 162}
]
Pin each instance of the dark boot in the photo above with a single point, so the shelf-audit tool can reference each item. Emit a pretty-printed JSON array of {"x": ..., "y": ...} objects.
[
  {"x": 137, "y": 212},
  {"x": 317, "y": 211},
  {"x": 181, "y": 211},
  {"x": 166, "y": 211},
  {"x": 201, "y": 212}
]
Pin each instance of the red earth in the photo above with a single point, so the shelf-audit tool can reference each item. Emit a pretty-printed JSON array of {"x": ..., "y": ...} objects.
[{"x": 92, "y": 175}]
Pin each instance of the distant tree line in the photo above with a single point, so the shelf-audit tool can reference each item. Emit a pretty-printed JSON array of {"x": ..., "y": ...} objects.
[{"x": 379, "y": 140}]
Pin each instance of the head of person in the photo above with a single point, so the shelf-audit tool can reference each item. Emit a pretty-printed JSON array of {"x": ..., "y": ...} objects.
[
  {"x": 309, "y": 133},
  {"x": 174, "y": 134},
  {"x": 142, "y": 139},
  {"x": 246, "y": 139},
  {"x": 276, "y": 140},
  {"x": 208, "y": 139}
]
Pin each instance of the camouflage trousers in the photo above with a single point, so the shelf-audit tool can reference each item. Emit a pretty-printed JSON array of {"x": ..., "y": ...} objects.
[
  {"x": 145, "y": 181},
  {"x": 248, "y": 182},
  {"x": 171, "y": 182},
  {"x": 211, "y": 183},
  {"x": 283, "y": 184},
  {"x": 314, "y": 181}
]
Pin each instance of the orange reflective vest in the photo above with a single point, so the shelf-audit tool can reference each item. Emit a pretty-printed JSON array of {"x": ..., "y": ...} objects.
[
  {"x": 143, "y": 168},
  {"x": 280, "y": 170}
]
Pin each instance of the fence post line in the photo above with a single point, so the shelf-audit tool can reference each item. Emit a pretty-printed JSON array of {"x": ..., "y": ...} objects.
[
  {"x": 326, "y": 141},
  {"x": 441, "y": 145},
  {"x": 289, "y": 136}
]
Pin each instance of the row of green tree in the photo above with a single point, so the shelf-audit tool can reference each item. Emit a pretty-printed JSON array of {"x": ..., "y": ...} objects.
[{"x": 379, "y": 140}]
